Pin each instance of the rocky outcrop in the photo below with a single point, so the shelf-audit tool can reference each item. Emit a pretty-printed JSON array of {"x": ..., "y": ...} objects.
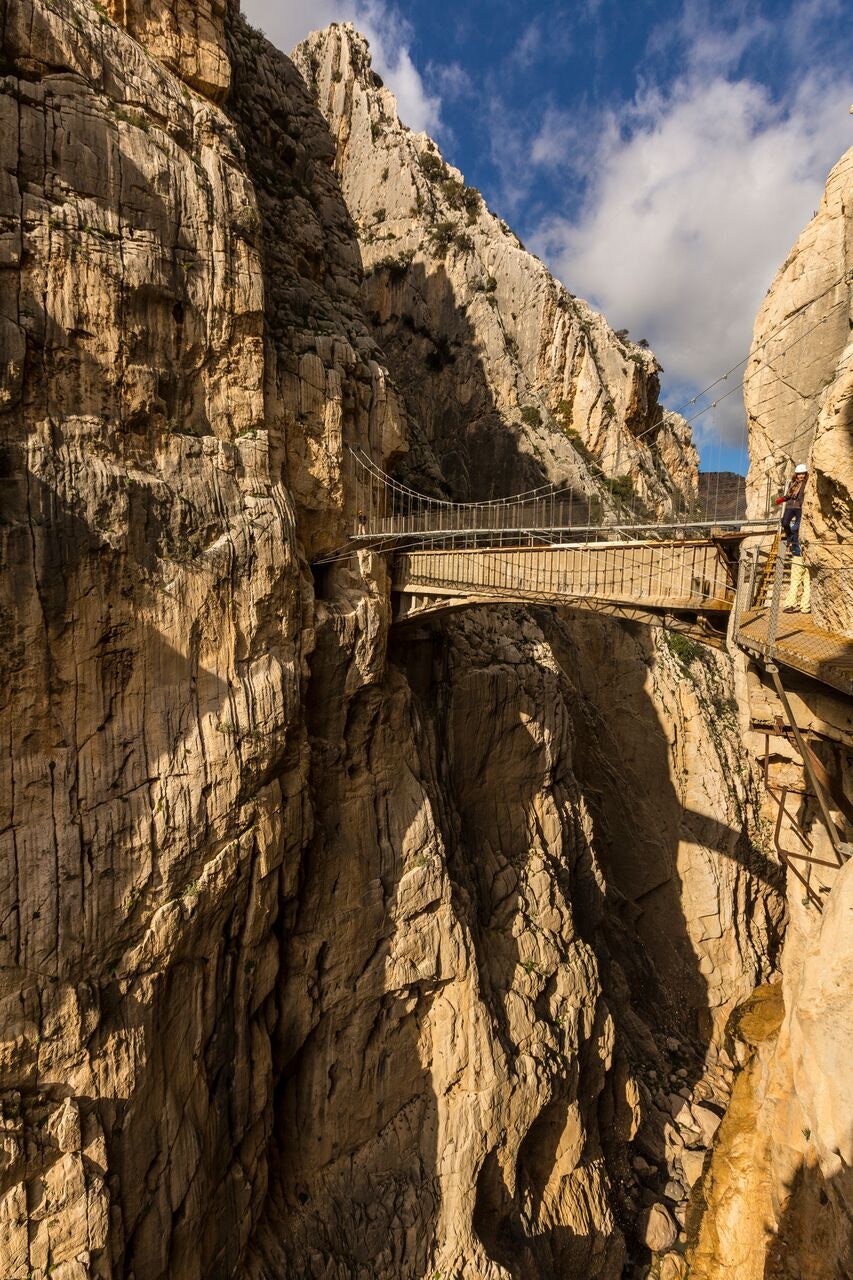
[
  {"x": 776, "y": 1198},
  {"x": 189, "y": 38},
  {"x": 779, "y": 1192},
  {"x": 799, "y": 394},
  {"x": 157, "y": 618},
  {"x": 509, "y": 379},
  {"x": 499, "y": 1054},
  {"x": 327, "y": 949}
]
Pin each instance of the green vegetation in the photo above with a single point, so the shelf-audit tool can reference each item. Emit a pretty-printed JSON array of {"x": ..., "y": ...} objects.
[
  {"x": 682, "y": 648},
  {"x": 132, "y": 118},
  {"x": 441, "y": 237},
  {"x": 531, "y": 416},
  {"x": 622, "y": 487},
  {"x": 101, "y": 232},
  {"x": 461, "y": 198},
  {"x": 433, "y": 167},
  {"x": 580, "y": 447},
  {"x": 395, "y": 266}
]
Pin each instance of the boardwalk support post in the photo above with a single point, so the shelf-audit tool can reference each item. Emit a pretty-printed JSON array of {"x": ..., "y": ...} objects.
[{"x": 840, "y": 847}]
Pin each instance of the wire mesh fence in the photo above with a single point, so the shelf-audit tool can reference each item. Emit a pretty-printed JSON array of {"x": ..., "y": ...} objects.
[{"x": 798, "y": 610}]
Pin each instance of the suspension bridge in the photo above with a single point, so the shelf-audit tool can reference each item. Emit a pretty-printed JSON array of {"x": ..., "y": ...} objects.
[
  {"x": 543, "y": 546},
  {"x": 594, "y": 545},
  {"x": 692, "y": 575},
  {"x": 553, "y": 545}
]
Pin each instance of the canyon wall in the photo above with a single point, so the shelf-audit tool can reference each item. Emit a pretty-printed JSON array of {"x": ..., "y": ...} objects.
[
  {"x": 328, "y": 949},
  {"x": 777, "y": 1199},
  {"x": 799, "y": 394},
  {"x": 518, "y": 382},
  {"x": 157, "y": 618}
]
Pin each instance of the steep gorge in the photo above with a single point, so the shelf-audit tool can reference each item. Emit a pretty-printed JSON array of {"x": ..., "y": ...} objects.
[
  {"x": 329, "y": 950},
  {"x": 779, "y": 1198}
]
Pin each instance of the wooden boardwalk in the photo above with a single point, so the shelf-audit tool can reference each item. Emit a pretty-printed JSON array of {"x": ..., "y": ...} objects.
[{"x": 684, "y": 584}]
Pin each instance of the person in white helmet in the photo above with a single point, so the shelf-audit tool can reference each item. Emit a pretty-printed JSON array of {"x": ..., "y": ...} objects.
[{"x": 795, "y": 602}]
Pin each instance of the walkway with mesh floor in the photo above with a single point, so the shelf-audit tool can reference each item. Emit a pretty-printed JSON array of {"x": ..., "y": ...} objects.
[
  {"x": 767, "y": 631},
  {"x": 799, "y": 644}
]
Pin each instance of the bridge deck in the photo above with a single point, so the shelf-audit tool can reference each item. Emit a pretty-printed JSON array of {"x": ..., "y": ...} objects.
[
  {"x": 798, "y": 643},
  {"x": 680, "y": 575}
]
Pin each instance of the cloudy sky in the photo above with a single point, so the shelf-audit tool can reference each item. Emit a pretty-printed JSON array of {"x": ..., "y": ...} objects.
[{"x": 661, "y": 156}]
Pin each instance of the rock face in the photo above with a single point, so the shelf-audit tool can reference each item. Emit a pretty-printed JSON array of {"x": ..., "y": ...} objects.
[
  {"x": 517, "y": 382},
  {"x": 779, "y": 1189},
  {"x": 777, "y": 1198},
  {"x": 488, "y": 996},
  {"x": 156, "y": 619},
  {"x": 327, "y": 950},
  {"x": 188, "y": 37},
  {"x": 799, "y": 393}
]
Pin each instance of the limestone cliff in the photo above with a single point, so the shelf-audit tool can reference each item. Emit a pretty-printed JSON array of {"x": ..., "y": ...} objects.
[
  {"x": 506, "y": 967},
  {"x": 509, "y": 378},
  {"x": 156, "y": 615},
  {"x": 777, "y": 1199},
  {"x": 327, "y": 950},
  {"x": 799, "y": 393}
]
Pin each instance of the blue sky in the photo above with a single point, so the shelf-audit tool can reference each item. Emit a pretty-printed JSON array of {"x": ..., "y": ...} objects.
[{"x": 661, "y": 156}]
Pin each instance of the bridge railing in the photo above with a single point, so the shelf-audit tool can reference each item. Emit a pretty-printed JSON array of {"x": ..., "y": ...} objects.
[
  {"x": 386, "y": 508},
  {"x": 683, "y": 575},
  {"x": 771, "y": 622}
]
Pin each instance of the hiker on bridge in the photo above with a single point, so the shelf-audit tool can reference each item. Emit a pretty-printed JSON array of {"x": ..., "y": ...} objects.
[
  {"x": 793, "y": 500},
  {"x": 791, "y": 517}
]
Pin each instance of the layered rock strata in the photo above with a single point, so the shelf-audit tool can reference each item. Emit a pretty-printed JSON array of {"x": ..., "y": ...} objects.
[
  {"x": 327, "y": 950},
  {"x": 799, "y": 394},
  {"x": 777, "y": 1197},
  {"x": 518, "y": 382},
  {"x": 499, "y": 1053},
  {"x": 156, "y": 618}
]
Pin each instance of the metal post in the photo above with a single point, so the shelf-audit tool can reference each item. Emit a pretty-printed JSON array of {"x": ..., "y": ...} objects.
[
  {"x": 753, "y": 574},
  {"x": 740, "y": 596},
  {"x": 775, "y": 608},
  {"x": 831, "y": 829}
]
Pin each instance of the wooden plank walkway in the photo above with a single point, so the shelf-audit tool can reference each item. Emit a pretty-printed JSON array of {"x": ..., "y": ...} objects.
[{"x": 801, "y": 645}]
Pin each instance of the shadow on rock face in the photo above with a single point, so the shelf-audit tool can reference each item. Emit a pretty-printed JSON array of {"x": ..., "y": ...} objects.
[
  {"x": 520, "y": 755},
  {"x": 814, "y": 1239},
  {"x": 462, "y": 446}
]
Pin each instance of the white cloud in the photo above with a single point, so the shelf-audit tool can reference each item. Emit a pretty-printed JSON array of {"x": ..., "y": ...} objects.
[
  {"x": 286, "y": 22},
  {"x": 528, "y": 45},
  {"x": 451, "y": 80},
  {"x": 695, "y": 197}
]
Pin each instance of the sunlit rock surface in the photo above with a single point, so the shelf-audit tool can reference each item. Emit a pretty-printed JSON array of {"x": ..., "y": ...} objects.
[
  {"x": 329, "y": 949},
  {"x": 519, "y": 382},
  {"x": 799, "y": 394}
]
